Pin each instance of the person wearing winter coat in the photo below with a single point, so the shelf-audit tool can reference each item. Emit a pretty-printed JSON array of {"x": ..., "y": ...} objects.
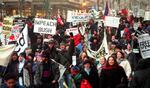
[
  {"x": 90, "y": 74},
  {"x": 47, "y": 74},
  {"x": 124, "y": 63},
  {"x": 10, "y": 81},
  {"x": 13, "y": 64},
  {"x": 141, "y": 77},
  {"x": 112, "y": 75}
]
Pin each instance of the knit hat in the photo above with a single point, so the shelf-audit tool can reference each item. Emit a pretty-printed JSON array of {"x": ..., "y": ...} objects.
[
  {"x": 76, "y": 68},
  {"x": 86, "y": 61}
]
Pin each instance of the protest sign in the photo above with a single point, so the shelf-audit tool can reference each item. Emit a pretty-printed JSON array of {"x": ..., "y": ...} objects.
[
  {"x": 73, "y": 30},
  {"x": 45, "y": 26},
  {"x": 77, "y": 17},
  {"x": 112, "y": 21},
  {"x": 5, "y": 52},
  {"x": 147, "y": 16},
  {"x": 8, "y": 22},
  {"x": 22, "y": 41},
  {"x": 144, "y": 44},
  {"x": 15, "y": 31}
]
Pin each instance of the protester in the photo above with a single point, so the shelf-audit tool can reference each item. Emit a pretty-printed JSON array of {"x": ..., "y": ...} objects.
[
  {"x": 112, "y": 75},
  {"x": 122, "y": 61},
  {"x": 90, "y": 74},
  {"x": 47, "y": 73},
  {"x": 101, "y": 64},
  {"x": 11, "y": 81},
  {"x": 141, "y": 77}
]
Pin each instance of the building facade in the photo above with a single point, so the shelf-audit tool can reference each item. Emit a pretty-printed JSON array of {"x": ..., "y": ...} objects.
[{"x": 41, "y": 7}]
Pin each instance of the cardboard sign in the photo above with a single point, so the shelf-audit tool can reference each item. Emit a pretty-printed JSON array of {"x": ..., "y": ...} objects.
[
  {"x": 77, "y": 17},
  {"x": 73, "y": 30},
  {"x": 147, "y": 16},
  {"x": 112, "y": 21},
  {"x": 144, "y": 44},
  {"x": 15, "y": 31},
  {"x": 45, "y": 26},
  {"x": 8, "y": 22}
]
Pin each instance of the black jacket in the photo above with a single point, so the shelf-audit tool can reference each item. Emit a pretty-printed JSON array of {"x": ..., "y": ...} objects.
[
  {"x": 92, "y": 78},
  {"x": 141, "y": 78},
  {"x": 111, "y": 77}
]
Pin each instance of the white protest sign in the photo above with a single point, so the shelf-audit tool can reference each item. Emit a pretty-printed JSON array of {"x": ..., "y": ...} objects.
[
  {"x": 74, "y": 60},
  {"x": 77, "y": 17},
  {"x": 112, "y": 21},
  {"x": 73, "y": 30},
  {"x": 22, "y": 41},
  {"x": 144, "y": 44},
  {"x": 45, "y": 26},
  {"x": 147, "y": 16}
]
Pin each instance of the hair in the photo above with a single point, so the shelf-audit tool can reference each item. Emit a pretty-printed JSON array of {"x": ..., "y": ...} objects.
[
  {"x": 10, "y": 76},
  {"x": 115, "y": 62},
  {"x": 123, "y": 56}
]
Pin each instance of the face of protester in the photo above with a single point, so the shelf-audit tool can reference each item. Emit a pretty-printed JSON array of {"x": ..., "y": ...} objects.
[
  {"x": 119, "y": 55},
  {"x": 39, "y": 40},
  {"x": 129, "y": 47},
  {"x": 95, "y": 40},
  {"x": 10, "y": 83},
  {"x": 30, "y": 58},
  {"x": 20, "y": 58},
  {"x": 50, "y": 45},
  {"x": 83, "y": 56},
  {"x": 87, "y": 65},
  {"x": 102, "y": 61},
  {"x": 14, "y": 57},
  {"x": 62, "y": 47},
  {"x": 111, "y": 61}
]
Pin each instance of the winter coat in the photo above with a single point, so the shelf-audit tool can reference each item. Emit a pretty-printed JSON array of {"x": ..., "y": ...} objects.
[
  {"x": 141, "y": 77},
  {"x": 111, "y": 77},
  {"x": 133, "y": 60},
  {"x": 92, "y": 78},
  {"x": 54, "y": 70},
  {"x": 126, "y": 66}
]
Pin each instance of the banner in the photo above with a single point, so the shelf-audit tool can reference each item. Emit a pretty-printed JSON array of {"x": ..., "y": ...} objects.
[
  {"x": 102, "y": 51},
  {"x": 144, "y": 44},
  {"x": 112, "y": 21},
  {"x": 22, "y": 41},
  {"x": 45, "y": 26},
  {"x": 5, "y": 54},
  {"x": 73, "y": 30},
  {"x": 77, "y": 17}
]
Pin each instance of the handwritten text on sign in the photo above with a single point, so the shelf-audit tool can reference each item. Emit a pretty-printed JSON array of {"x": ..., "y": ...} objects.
[
  {"x": 112, "y": 21},
  {"x": 45, "y": 26},
  {"x": 77, "y": 17},
  {"x": 144, "y": 43}
]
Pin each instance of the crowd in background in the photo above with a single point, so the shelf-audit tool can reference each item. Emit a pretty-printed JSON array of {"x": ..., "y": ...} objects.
[{"x": 124, "y": 68}]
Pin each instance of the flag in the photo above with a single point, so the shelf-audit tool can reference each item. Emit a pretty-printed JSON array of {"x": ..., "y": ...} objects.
[
  {"x": 62, "y": 69},
  {"x": 59, "y": 20},
  {"x": 5, "y": 54},
  {"x": 22, "y": 41},
  {"x": 106, "y": 9}
]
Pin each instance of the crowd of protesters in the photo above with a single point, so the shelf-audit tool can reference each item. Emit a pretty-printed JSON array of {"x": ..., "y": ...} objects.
[{"x": 124, "y": 68}]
